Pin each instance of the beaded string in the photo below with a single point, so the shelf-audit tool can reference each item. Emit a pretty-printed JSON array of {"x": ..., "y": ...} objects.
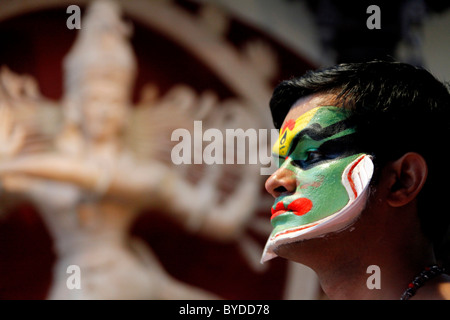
[{"x": 427, "y": 274}]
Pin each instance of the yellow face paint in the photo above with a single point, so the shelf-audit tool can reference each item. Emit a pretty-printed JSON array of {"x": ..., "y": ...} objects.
[{"x": 290, "y": 130}]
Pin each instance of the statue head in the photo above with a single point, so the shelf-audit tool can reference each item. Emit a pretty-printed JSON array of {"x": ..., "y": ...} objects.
[{"x": 99, "y": 73}]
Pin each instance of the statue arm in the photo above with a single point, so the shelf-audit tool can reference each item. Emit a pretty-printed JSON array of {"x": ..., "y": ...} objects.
[
  {"x": 137, "y": 183},
  {"x": 52, "y": 167}
]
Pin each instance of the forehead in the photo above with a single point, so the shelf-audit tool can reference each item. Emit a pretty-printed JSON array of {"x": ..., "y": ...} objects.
[
  {"x": 305, "y": 104},
  {"x": 314, "y": 114}
]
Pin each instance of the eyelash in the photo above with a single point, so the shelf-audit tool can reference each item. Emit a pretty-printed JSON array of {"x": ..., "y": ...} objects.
[{"x": 313, "y": 155}]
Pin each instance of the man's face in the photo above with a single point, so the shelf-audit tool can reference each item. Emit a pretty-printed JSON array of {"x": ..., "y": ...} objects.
[{"x": 320, "y": 174}]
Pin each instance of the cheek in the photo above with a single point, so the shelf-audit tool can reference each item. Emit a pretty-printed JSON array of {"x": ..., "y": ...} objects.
[
  {"x": 322, "y": 186},
  {"x": 313, "y": 183},
  {"x": 309, "y": 180}
]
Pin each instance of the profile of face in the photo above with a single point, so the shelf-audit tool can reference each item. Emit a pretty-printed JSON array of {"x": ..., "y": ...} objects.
[
  {"x": 321, "y": 182},
  {"x": 104, "y": 106}
]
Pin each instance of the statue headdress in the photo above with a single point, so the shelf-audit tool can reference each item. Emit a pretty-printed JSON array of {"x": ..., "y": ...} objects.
[{"x": 101, "y": 51}]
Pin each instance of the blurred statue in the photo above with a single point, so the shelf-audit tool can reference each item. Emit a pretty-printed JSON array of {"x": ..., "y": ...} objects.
[{"x": 91, "y": 164}]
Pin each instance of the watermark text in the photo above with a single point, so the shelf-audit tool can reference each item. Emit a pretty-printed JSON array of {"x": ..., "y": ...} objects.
[{"x": 234, "y": 146}]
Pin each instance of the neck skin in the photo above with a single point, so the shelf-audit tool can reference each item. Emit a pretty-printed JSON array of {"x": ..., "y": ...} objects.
[{"x": 385, "y": 238}]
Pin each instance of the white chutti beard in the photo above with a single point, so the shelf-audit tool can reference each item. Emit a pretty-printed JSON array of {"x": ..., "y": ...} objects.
[{"x": 355, "y": 178}]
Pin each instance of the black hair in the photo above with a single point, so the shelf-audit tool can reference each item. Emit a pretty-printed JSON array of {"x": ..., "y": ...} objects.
[{"x": 396, "y": 108}]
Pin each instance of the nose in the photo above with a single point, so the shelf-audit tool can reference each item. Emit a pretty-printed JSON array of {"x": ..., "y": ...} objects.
[{"x": 282, "y": 181}]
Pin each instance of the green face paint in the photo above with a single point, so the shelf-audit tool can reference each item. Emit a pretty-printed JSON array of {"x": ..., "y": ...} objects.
[{"x": 318, "y": 149}]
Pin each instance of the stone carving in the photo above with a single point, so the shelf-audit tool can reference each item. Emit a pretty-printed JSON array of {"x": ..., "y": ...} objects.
[{"x": 91, "y": 162}]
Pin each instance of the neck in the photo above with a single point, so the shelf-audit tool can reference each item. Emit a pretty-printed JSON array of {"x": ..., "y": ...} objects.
[
  {"x": 373, "y": 275},
  {"x": 366, "y": 263}
]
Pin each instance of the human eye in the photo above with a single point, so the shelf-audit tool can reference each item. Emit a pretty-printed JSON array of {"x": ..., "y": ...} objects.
[
  {"x": 308, "y": 158},
  {"x": 313, "y": 155}
]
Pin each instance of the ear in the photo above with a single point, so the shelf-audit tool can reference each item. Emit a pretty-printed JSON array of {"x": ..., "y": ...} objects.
[{"x": 408, "y": 176}]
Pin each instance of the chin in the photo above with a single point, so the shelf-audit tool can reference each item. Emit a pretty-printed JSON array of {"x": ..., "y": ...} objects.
[
  {"x": 300, "y": 250},
  {"x": 310, "y": 251}
]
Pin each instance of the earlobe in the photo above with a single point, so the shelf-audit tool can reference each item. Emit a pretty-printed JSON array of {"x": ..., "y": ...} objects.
[{"x": 410, "y": 173}]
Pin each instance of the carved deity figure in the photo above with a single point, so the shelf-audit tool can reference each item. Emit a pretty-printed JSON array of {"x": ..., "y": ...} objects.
[{"x": 91, "y": 164}]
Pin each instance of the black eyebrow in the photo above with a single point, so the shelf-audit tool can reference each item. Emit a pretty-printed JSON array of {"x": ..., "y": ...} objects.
[
  {"x": 317, "y": 133},
  {"x": 336, "y": 148}
]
